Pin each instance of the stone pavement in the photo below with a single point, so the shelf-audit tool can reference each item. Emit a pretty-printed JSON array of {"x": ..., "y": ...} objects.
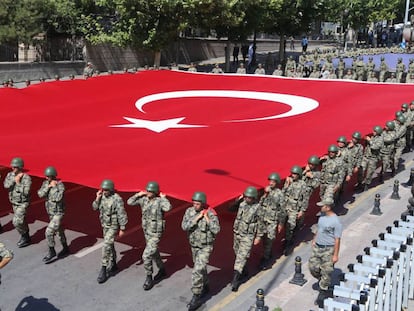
[{"x": 360, "y": 228}]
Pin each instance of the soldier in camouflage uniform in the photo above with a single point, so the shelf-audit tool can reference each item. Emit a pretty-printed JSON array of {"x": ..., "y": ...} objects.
[
  {"x": 113, "y": 218},
  {"x": 410, "y": 70},
  {"x": 202, "y": 226},
  {"x": 387, "y": 149},
  {"x": 332, "y": 174},
  {"x": 383, "y": 69},
  {"x": 399, "y": 70},
  {"x": 53, "y": 191},
  {"x": 153, "y": 204},
  {"x": 341, "y": 67},
  {"x": 355, "y": 154},
  {"x": 290, "y": 66},
  {"x": 272, "y": 217},
  {"x": 325, "y": 249},
  {"x": 294, "y": 190},
  {"x": 6, "y": 256},
  {"x": 370, "y": 66},
  {"x": 245, "y": 231},
  {"x": 312, "y": 179},
  {"x": 410, "y": 126},
  {"x": 392, "y": 78},
  {"x": 371, "y": 158},
  {"x": 360, "y": 69},
  {"x": 400, "y": 140},
  {"x": 18, "y": 185}
]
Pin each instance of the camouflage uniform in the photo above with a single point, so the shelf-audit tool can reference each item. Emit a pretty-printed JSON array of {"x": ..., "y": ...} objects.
[
  {"x": 332, "y": 175},
  {"x": 244, "y": 229},
  {"x": 272, "y": 213},
  {"x": 399, "y": 70},
  {"x": 113, "y": 217},
  {"x": 55, "y": 208},
  {"x": 312, "y": 179},
  {"x": 383, "y": 69},
  {"x": 201, "y": 235},
  {"x": 387, "y": 149},
  {"x": 341, "y": 68},
  {"x": 355, "y": 155},
  {"x": 371, "y": 158},
  {"x": 294, "y": 191},
  {"x": 5, "y": 256},
  {"x": 360, "y": 69},
  {"x": 400, "y": 141},
  {"x": 153, "y": 225},
  {"x": 19, "y": 196}
]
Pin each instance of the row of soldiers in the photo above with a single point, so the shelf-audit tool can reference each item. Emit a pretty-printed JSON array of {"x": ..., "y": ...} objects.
[{"x": 259, "y": 218}]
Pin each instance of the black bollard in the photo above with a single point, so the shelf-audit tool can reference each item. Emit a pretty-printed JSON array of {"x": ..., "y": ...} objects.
[
  {"x": 410, "y": 181},
  {"x": 298, "y": 277},
  {"x": 395, "y": 195},
  {"x": 260, "y": 303},
  {"x": 376, "y": 210}
]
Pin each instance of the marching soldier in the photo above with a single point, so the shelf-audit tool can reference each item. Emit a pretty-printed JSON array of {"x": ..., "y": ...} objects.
[
  {"x": 400, "y": 140},
  {"x": 202, "y": 226},
  {"x": 18, "y": 185},
  {"x": 387, "y": 149},
  {"x": 355, "y": 154},
  {"x": 53, "y": 191},
  {"x": 153, "y": 204},
  {"x": 332, "y": 174},
  {"x": 113, "y": 218},
  {"x": 245, "y": 233},
  {"x": 371, "y": 157},
  {"x": 312, "y": 179},
  {"x": 272, "y": 217},
  {"x": 294, "y": 190}
]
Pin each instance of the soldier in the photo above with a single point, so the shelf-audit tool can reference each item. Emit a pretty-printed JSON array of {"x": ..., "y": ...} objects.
[
  {"x": 153, "y": 204},
  {"x": 388, "y": 147},
  {"x": 372, "y": 77},
  {"x": 202, "y": 226},
  {"x": 371, "y": 158},
  {"x": 259, "y": 70},
  {"x": 302, "y": 63},
  {"x": 325, "y": 249},
  {"x": 278, "y": 71},
  {"x": 88, "y": 70},
  {"x": 399, "y": 70},
  {"x": 348, "y": 75},
  {"x": 290, "y": 66},
  {"x": 370, "y": 66},
  {"x": 392, "y": 78},
  {"x": 6, "y": 256},
  {"x": 400, "y": 141},
  {"x": 53, "y": 190},
  {"x": 341, "y": 67},
  {"x": 383, "y": 69},
  {"x": 332, "y": 174},
  {"x": 360, "y": 69},
  {"x": 312, "y": 179},
  {"x": 18, "y": 185},
  {"x": 410, "y": 78},
  {"x": 113, "y": 218},
  {"x": 355, "y": 154},
  {"x": 241, "y": 70},
  {"x": 192, "y": 68},
  {"x": 217, "y": 69},
  {"x": 294, "y": 190},
  {"x": 245, "y": 230},
  {"x": 272, "y": 217},
  {"x": 410, "y": 70}
]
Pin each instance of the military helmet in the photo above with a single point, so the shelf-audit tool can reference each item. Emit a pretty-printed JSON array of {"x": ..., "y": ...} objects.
[
  {"x": 377, "y": 129},
  {"x": 314, "y": 160},
  {"x": 275, "y": 177},
  {"x": 390, "y": 125},
  {"x": 382, "y": 57},
  {"x": 341, "y": 139},
  {"x": 357, "y": 135},
  {"x": 107, "y": 184},
  {"x": 398, "y": 113},
  {"x": 50, "y": 171},
  {"x": 250, "y": 192},
  {"x": 405, "y": 106},
  {"x": 17, "y": 162},
  {"x": 199, "y": 197},
  {"x": 153, "y": 186},
  {"x": 400, "y": 59},
  {"x": 333, "y": 148},
  {"x": 296, "y": 169},
  {"x": 401, "y": 119}
]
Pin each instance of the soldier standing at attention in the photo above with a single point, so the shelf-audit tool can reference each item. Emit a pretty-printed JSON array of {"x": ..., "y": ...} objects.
[
  {"x": 272, "y": 217},
  {"x": 202, "y": 226},
  {"x": 383, "y": 69},
  {"x": 113, "y": 218},
  {"x": 399, "y": 70},
  {"x": 245, "y": 230},
  {"x": 294, "y": 190},
  {"x": 153, "y": 204},
  {"x": 53, "y": 191},
  {"x": 325, "y": 249},
  {"x": 18, "y": 184}
]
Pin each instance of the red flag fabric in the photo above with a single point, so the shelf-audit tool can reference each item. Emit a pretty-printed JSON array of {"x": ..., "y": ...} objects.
[{"x": 188, "y": 131}]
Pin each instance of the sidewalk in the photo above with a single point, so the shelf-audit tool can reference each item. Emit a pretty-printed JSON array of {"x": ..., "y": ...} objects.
[{"x": 360, "y": 228}]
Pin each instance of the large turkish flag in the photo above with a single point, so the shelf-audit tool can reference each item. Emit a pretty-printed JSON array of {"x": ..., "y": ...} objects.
[{"x": 188, "y": 131}]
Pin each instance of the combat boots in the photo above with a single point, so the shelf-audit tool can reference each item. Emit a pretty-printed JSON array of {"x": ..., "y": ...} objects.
[
  {"x": 160, "y": 275},
  {"x": 1, "y": 228},
  {"x": 24, "y": 240},
  {"x": 195, "y": 303},
  {"x": 149, "y": 283},
  {"x": 235, "y": 283},
  {"x": 64, "y": 251},
  {"x": 114, "y": 269},
  {"x": 49, "y": 257},
  {"x": 102, "y": 277},
  {"x": 323, "y": 294}
]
